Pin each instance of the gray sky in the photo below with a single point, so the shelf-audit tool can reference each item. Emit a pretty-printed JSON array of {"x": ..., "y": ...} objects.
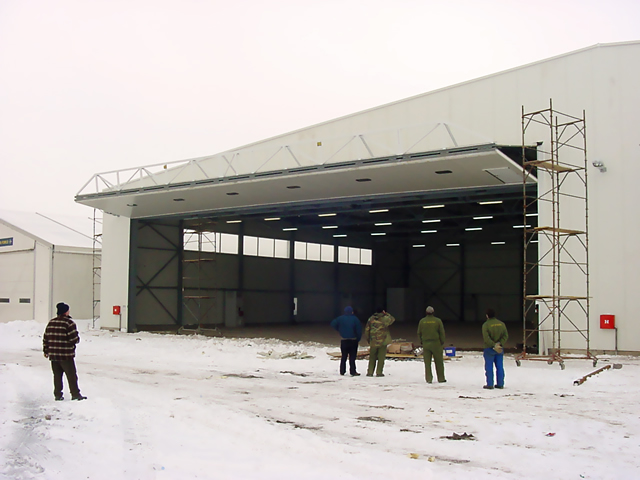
[{"x": 93, "y": 86}]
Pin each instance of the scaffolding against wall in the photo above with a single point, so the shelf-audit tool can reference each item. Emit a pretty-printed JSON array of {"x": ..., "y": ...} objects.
[
  {"x": 198, "y": 296},
  {"x": 97, "y": 266},
  {"x": 556, "y": 317}
]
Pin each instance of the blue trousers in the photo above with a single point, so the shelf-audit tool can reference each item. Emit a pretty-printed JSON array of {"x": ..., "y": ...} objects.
[{"x": 491, "y": 358}]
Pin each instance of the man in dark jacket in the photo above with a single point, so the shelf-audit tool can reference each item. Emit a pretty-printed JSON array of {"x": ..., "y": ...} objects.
[
  {"x": 350, "y": 330},
  {"x": 59, "y": 346},
  {"x": 494, "y": 334},
  {"x": 431, "y": 335}
]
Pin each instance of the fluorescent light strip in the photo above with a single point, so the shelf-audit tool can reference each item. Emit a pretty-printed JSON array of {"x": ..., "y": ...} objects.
[
  {"x": 498, "y": 243},
  {"x": 473, "y": 229},
  {"x": 271, "y": 219},
  {"x": 453, "y": 244},
  {"x": 429, "y": 231},
  {"x": 379, "y": 211},
  {"x": 289, "y": 229},
  {"x": 483, "y": 218},
  {"x": 492, "y": 202},
  {"x": 433, "y": 206},
  {"x": 430, "y": 221},
  {"x": 379, "y": 233},
  {"x": 327, "y": 214},
  {"x": 419, "y": 246},
  {"x": 234, "y": 221},
  {"x": 521, "y": 226},
  {"x": 326, "y": 227},
  {"x": 532, "y": 214},
  {"x": 339, "y": 236},
  {"x": 383, "y": 224}
]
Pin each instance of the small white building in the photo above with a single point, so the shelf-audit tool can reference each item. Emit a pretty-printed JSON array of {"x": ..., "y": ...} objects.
[{"x": 44, "y": 260}]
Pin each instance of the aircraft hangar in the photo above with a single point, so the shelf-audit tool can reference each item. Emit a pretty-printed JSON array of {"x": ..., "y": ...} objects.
[{"x": 412, "y": 203}]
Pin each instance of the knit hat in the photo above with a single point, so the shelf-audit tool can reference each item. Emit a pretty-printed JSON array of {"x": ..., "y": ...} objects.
[
  {"x": 430, "y": 310},
  {"x": 348, "y": 310},
  {"x": 62, "y": 308}
]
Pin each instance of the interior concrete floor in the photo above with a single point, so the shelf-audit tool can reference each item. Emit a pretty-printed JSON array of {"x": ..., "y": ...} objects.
[{"x": 462, "y": 335}]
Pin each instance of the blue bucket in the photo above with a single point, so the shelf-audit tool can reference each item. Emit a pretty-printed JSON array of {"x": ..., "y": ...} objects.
[{"x": 450, "y": 351}]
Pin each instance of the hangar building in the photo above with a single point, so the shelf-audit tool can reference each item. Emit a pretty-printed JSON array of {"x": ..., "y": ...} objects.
[{"x": 427, "y": 200}]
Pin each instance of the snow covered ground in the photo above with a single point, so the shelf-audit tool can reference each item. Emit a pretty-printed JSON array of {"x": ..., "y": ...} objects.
[{"x": 178, "y": 407}]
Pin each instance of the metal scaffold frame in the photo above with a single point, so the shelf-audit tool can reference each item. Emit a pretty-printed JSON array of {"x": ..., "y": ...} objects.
[
  {"x": 96, "y": 267},
  {"x": 562, "y": 240},
  {"x": 198, "y": 300}
]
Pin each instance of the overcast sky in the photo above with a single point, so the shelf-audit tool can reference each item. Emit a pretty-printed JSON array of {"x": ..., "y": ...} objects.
[{"x": 93, "y": 86}]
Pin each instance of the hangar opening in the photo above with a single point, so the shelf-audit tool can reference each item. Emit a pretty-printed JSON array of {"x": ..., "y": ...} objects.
[{"x": 296, "y": 245}]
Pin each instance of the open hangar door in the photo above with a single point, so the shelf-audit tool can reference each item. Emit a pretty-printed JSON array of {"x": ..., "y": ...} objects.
[{"x": 264, "y": 258}]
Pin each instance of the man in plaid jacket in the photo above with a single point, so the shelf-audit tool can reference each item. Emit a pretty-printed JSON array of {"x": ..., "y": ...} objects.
[{"x": 59, "y": 346}]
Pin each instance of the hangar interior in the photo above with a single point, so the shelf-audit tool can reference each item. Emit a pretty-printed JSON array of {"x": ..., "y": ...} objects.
[{"x": 441, "y": 228}]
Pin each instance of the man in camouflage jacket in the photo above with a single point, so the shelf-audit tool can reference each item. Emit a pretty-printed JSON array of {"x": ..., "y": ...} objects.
[
  {"x": 376, "y": 333},
  {"x": 59, "y": 346}
]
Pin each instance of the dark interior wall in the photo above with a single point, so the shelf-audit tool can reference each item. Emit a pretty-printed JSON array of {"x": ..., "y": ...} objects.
[
  {"x": 459, "y": 282},
  {"x": 156, "y": 272}
]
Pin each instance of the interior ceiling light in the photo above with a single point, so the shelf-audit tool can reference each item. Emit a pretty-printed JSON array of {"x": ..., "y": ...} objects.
[
  {"x": 453, "y": 244},
  {"x": 492, "y": 202},
  {"x": 521, "y": 226},
  {"x": 329, "y": 226},
  {"x": 431, "y": 221},
  {"x": 178, "y": 199},
  {"x": 498, "y": 243},
  {"x": 489, "y": 217},
  {"x": 532, "y": 214},
  {"x": 379, "y": 211},
  {"x": 327, "y": 214},
  {"x": 433, "y": 206},
  {"x": 378, "y": 233},
  {"x": 289, "y": 229},
  {"x": 472, "y": 229},
  {"x": 419, "y": 246},
  {"x": 271, "y": 219},
  {"x": 234, "y": 221},
  {"x": 429, "y": 231},
  {"x": 383, "y": 224},
  {"x": 339, "y": 236}
]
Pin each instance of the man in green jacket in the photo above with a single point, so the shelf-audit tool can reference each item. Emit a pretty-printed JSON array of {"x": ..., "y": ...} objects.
[
  {"x": 431, "y": 335},
  {"x": 376, "y": 333},
  {"x": 495, "y": 335}
]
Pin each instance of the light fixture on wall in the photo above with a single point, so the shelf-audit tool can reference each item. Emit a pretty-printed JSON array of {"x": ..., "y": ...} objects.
[{"x": 599, "y": 165}]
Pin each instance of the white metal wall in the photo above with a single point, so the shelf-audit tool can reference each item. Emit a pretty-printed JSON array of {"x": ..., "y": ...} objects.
[{"x": 115, "y": 270}]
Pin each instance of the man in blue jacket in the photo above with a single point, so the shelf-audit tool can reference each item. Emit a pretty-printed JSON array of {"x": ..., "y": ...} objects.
[{"x": 350, "y": 330}]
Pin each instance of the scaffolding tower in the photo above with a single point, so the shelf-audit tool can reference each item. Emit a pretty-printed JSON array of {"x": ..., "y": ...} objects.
[
  {"x": 556, "y": 250},
  {"x": 198, "y": 294},
  {"x": 97, "y": 266}
]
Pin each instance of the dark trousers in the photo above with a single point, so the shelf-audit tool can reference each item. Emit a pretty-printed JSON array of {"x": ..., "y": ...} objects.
[
  {"x": 68, "y": 367},
  {"x": 349, "y": 349}
]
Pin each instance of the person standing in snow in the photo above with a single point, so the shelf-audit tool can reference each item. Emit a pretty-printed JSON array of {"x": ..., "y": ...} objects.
[
  {"x": 350, "y": 330},
  {"x": 377, "y": 335},
  {"x": 431, "y": 335},
  {"x": 59, "y": 346},
  {"x": 494, "y": 333}
]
